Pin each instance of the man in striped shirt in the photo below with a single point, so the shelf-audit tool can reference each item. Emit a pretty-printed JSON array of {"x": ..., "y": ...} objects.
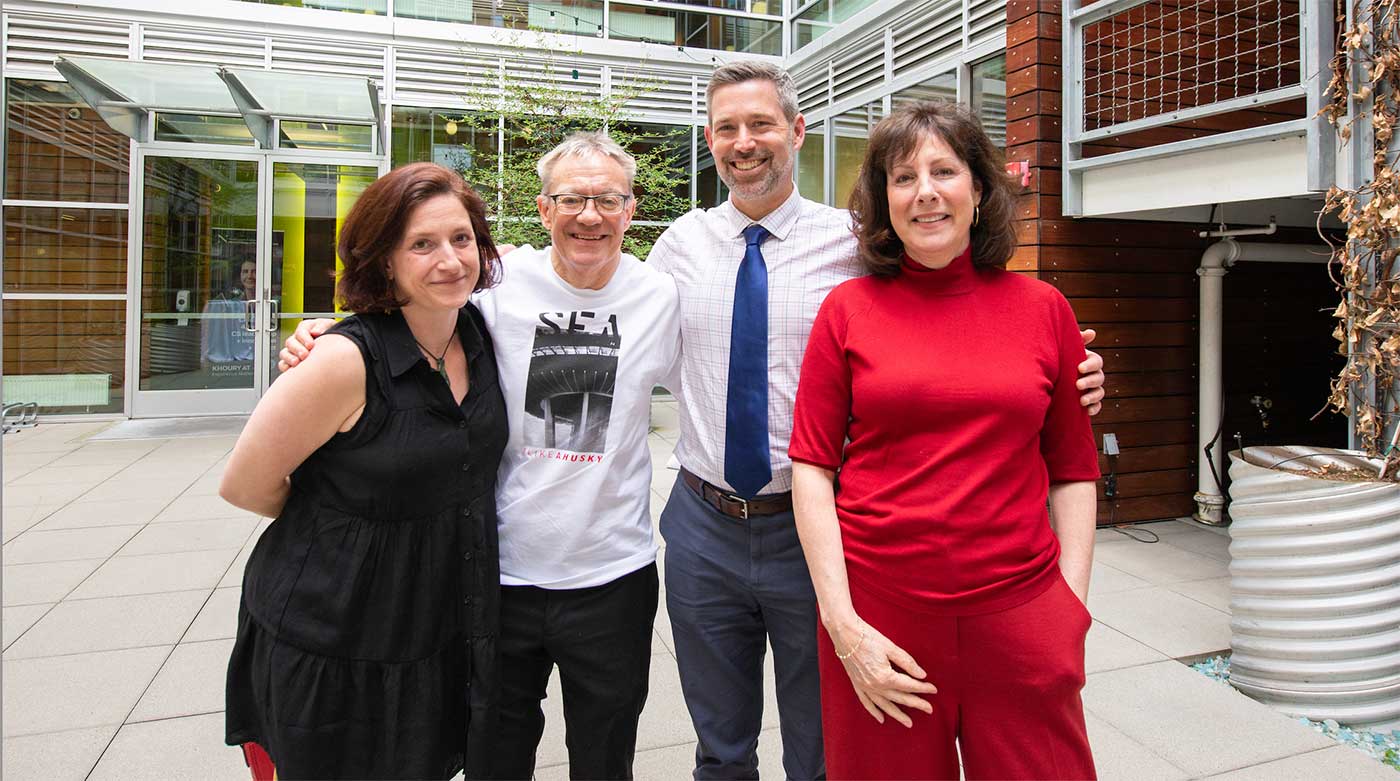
[{"x": 736, "y": 579}]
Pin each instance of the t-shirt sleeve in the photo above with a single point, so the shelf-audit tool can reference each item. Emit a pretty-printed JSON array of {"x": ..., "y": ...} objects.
[
  {"x": 822, "y": 412},
  {"x": 1067, "y": 439}
]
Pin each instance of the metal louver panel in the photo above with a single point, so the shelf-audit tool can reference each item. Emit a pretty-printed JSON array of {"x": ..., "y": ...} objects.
[
  {"x": 860, "y": 68},
  {"x": 657, "y": 93},
  {"x": 329, "y": 57},
  {"x": 446, "y": 78},
  {"x": 986, "y": 20},
  {"x": 812, "y": 93},
  {"x": 560, "y": 75},
  {"x": 203, "y": 47},
  {"x": 934, "y": 37},
  {"x": 36, "y": 41}
]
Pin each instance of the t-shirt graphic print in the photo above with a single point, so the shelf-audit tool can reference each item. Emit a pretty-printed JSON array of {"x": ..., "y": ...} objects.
[{"x": 569, "y": 389}]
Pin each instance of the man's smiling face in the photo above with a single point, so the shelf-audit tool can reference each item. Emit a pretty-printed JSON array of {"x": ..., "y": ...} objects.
[{"x": 753, "y": 143}]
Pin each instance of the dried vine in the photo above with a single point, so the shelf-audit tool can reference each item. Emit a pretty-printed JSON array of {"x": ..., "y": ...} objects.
[{"x": 1365, "y": 88}]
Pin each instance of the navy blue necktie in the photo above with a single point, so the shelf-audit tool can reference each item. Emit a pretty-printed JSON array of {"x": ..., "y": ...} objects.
[{"x": 746, "y": 465}]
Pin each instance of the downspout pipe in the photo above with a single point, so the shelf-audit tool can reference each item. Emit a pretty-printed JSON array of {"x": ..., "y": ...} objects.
[{"x": 1215, "y": 263}]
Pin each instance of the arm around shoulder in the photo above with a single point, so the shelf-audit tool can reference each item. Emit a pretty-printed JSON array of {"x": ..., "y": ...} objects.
[{"x": 300, "y": 412}]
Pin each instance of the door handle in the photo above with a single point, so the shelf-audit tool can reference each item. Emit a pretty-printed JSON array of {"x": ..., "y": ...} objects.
[
  {"x": 250, "y": 315},
  {"x": 273, "y": 310}
]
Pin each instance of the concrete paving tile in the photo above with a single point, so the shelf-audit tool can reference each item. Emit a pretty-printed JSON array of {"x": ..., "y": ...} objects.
[
  {"x": 77, "y": 475},
  {"x": 36, "y": 546},
  {"x": 77, "y": 626},
  {"x": 216, "y": 534},
  {"x": 665, "y": 416},
  {"x": 35, "y": 442},
  {"x": 1335, "y": 762},
  {"x": 122, "y": 453},
  {"x": 1205, "y": 543},
  {"x": 190, "y": 683},
  {"x": 18, "y": 520},
  {"x": 31, "y": 584},
  {"x": 1108, "y": 649},
  {"x": 1117, "y": 756},
  {"x": 233, "y": 578},
  {"x": 15, "y": 466},
  {"x": 22, "y": 494},
  {"x": 664, "y": 722},
  {"x": 663, "y": 623},
  {"x": 84, "y": 515},
  {"x": 218, "y": 619},
  {"x": 82, "y": 690},
  {"x": 1104, "y": 579},
  {"x": 1212, "y": 592},
  {"x": 161, "y": 572},
  {"x": 18, "y": 619},
  {"x": 198, "y": 508},
  {"x": 181, "y": 475},
  {"x": 1161, "y": 563},
  {"x": 1195, "y": 723},
  {"x": 143, "y": 751},
  {"x": 206, "y": 485},
  {"x": 127, "y": 489},
  {"x": 1165, "y": 620},
  {"x": 56, "y": 756}
]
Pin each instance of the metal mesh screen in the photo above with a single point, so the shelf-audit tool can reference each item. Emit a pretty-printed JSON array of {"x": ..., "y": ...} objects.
[{"x": 1167, "y": 55}]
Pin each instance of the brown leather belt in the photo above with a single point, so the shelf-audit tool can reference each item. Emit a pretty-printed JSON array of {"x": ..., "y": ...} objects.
[{"x": 737, "y": 506}]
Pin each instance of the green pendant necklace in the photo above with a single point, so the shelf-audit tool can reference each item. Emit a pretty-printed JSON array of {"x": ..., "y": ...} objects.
[{"x": 440, "y": 360}]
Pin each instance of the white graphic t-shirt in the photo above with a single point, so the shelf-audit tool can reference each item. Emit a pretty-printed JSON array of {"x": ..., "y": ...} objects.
[{"x": 577, "y": 369}]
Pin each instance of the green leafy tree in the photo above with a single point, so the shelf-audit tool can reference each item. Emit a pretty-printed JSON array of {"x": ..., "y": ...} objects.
[{"x": 538, "y": 115}]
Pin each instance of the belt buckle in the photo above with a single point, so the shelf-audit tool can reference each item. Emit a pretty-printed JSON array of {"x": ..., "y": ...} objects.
[{"x": 739, "y": 500}]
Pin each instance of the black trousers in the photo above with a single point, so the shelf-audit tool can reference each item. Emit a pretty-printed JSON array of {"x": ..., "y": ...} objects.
[{"x": 601, "y": 639}]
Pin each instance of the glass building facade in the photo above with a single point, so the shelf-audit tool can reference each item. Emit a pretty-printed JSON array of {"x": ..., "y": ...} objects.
[{"x": 154, "y": 271}]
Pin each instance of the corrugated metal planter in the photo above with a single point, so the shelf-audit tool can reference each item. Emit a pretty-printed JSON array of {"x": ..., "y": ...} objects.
[{"x": 1315, "y": 586}]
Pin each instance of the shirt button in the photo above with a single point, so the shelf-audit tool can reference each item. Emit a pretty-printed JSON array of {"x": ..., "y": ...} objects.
[
  {"x": 461, "y": 424},
  {"x": 466, "y": 513},
  {"x": 467, "y": 601},
  {"x": 466, "y": 466},
  {"x": 467, "y": 556}
]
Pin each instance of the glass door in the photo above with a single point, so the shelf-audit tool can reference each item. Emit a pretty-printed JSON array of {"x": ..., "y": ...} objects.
[
  {"x": 310, "y": 201},
  {"x": 232, "y": 259},
  {"x": 196, "y": 348}
]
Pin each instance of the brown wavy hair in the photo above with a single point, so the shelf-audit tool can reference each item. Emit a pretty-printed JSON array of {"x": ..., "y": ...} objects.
[
  {"x": 375, "y": 226},
  {"x": 894, "y": 140}
]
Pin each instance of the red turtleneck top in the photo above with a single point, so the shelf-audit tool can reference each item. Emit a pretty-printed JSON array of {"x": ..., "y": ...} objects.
[{"x": 956, "y": 390}]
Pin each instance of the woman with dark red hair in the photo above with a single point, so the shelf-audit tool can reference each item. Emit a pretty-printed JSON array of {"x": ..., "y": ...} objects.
[
  {"x": 942, "y": 388},
  {"x": 367, "y": 629}
]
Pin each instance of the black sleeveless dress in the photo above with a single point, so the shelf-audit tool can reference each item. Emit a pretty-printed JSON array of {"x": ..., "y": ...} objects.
[{"x": 367, "y": 629}]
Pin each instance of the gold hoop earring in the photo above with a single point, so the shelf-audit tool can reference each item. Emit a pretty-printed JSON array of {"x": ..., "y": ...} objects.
[{"x": 976, "y": 215}]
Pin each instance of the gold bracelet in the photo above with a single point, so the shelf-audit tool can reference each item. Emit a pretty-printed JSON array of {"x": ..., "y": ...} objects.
[{"x": 856, "y": 647}]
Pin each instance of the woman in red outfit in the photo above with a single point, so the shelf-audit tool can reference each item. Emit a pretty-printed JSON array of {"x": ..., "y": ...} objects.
[{"x": 942, "y": 388}]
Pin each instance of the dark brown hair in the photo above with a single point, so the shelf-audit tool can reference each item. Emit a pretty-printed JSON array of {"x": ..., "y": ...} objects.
[
  {"x": 375, "y": 227},
  {"x": 893, "y": 141}
]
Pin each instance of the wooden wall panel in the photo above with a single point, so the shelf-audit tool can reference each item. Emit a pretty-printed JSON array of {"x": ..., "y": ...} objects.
[{"x": 1133, "y": 282}]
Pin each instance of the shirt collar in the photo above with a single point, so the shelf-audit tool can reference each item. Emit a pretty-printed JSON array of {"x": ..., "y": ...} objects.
[
  {"x": 778, "y": 222},
  {"x": 402, "y": 351}
]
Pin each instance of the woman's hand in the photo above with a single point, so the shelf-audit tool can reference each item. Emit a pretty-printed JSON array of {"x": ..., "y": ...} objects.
[{"x": 884, "y": 676}]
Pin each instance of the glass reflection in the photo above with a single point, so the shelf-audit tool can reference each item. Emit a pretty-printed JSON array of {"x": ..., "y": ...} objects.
[{"x": 198, "y": 264}]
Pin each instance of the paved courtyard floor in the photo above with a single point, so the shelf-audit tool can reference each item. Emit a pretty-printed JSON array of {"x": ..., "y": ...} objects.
[{"x": 121, "y": 573}]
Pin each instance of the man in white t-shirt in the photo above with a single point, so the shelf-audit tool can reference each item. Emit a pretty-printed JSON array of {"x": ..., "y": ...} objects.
[{"x": 582, "y": 334}]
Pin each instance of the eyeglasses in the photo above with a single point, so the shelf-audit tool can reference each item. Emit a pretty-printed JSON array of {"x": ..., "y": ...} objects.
[{"x": 573, "y": 203}]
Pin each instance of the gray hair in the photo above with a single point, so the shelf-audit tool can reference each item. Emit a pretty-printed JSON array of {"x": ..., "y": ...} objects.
[
  {"x": 755, "y": 70},
  {"x": 593, "y": 143}
]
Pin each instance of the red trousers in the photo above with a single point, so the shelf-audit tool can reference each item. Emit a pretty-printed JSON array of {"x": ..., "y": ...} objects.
[{"x": 1008, "y": 695}]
